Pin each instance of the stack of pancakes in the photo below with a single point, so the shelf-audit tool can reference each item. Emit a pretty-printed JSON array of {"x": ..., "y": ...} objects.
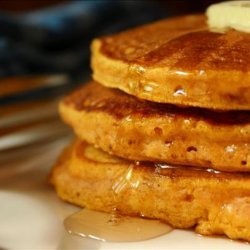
[{"x": 164, "y": 132}]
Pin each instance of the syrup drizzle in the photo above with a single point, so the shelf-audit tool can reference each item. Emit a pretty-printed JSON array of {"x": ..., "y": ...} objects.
[{"x": 113, "y": 227}]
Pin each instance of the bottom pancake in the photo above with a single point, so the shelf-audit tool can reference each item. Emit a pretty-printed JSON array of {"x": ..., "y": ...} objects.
[{"x": 210, "y": 201}]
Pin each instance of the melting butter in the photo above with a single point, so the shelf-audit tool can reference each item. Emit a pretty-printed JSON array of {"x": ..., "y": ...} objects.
[{"x": 102, "y": 226}]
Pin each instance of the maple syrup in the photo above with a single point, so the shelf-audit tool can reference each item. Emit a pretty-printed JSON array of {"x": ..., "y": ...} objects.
[{"x": 114, "y": 228}]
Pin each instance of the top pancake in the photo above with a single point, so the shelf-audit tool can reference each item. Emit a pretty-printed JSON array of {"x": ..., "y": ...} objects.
[{"x": 178, "y": 61}]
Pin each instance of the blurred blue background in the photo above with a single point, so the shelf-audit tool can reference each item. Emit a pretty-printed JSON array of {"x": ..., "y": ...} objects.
[
  {"x": 53, "y": 37},
  {"x": 56, "y": 38}
]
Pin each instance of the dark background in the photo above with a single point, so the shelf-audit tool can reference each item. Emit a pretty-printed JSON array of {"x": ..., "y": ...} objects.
[
  {"x": 176, "y": 6},
  {"x": 41, "y": 38}
]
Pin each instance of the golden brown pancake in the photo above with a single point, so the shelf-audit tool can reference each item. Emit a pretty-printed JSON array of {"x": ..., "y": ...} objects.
[
  {"x": 178, "y": 61},
  {"x": 211, "y": 202},
  {"x": 141, "y": 130}
]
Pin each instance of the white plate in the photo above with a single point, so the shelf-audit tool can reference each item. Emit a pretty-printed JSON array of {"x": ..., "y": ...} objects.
[{"x": 32, "y": 216}]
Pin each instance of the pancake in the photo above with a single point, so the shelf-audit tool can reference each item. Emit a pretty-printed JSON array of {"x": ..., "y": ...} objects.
[
  {"x": 211, "y": 202},
  {"x": 178, "y": 61},
  {"x": 141, "y": 130}
]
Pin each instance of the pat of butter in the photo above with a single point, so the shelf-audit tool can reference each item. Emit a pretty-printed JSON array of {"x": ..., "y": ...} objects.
[{"x": 231, "y": 14}]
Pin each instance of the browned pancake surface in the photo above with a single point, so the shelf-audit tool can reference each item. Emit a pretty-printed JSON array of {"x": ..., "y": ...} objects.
[
  {"x": 177, "y": 61},
  {"x": 93, "y": 97},
  {"x": 140, "y": 130}
]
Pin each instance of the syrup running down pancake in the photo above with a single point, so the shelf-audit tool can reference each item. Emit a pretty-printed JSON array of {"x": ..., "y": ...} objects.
[
  {"x": 178, "y": 61},
  {"x": 212, "y": 202}
]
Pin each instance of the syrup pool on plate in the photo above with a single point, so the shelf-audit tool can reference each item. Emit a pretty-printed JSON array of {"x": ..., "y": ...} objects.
[{"x": 114, "y": 228}]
